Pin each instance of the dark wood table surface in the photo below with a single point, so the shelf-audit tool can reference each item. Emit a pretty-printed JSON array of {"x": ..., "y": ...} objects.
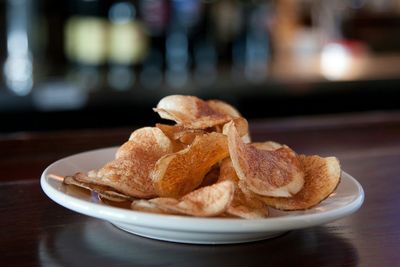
[{"x": 34, "y": 231}]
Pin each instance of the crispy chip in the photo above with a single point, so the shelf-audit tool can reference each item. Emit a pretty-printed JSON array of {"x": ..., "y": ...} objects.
[
  {"x": 322, "y": 176},
  {"x": 207, "y": 122},
  {"x": 103, "y": 191},
  {"x": 268, "y": 173},
  {"x": 146, "y": 140},
  {"x": 171, "y": 131},
  {"x": 204, "y": 202},
  {"x": 183, "y": 109},
  {"x": 212, "y": 176},
  {"x": 190, "y": 111},
  {"x": 240, "y": 122},
  {"x": 146, "y": 206},
  {"x": 179, "y": 173},
  {"x": 129, "y": 172},
  {"x": 223, "y": 108},
  {"x": 269, "y": 145},
  {"x": 242, "y": 127},
  {"x": 242, "y": 205},
  {"x": 179, "y": 134}
]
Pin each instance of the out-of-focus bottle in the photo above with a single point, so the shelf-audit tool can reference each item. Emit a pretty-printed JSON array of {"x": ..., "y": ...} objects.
[
  {"x": 86, "y": 42},
  {"x": 18, "y": 66},
  {"x": 227, "y": 24},
  {"x": 128, "y": 44},
  {"x": 251, "y": 49},
  {"x": 257, "y": 51},
  {"x": 155, "y": 15},
  {"x": 185, "y": 15},
  {"x": 204, "y": 42}
]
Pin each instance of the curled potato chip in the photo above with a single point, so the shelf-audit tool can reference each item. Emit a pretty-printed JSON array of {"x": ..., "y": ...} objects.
[
  {"x": 103, "y": 191},
  {"x": 146, "y": 140},
  {"x": 211, "y": 176},
  {"x": 267, "y": 173},
  {"x": 129, "y": 172},
  {"x": 224, "y": 108},
  {"x": 322, "y": 176},
  {"x": 242, "y": 205},
  {"x": 240, "y": 122},
  {"x": 170, "y": 131},
  {"x": 207, "y": 122},
  {"x": 268, "y": 145},
  {"x": 146, "y": 206},
  {"x": 183, "y": 109},
  {"x": 194, "y": 113},
  {"x": 179, "y": 173},
  {"x": 190, "y": 111},
  {"x": 204, "y": 202},
  {"x": 242, "y": 127}
]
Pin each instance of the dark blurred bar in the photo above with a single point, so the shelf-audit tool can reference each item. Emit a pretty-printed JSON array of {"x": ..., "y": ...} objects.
[{"x": 94, "y": 64}]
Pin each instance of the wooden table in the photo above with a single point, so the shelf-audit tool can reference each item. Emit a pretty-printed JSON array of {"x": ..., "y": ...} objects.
[{"x": 34, "y": 231}]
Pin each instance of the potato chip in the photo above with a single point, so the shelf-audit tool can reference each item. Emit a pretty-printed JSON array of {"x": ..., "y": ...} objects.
[
  {"x": 190, "y": 111},
  {"x": 268, "y": 145},
  {"x": 183, "y": 109},
  {"x": 223, "y": 108},
  {"x": 103, "y": 191},
  {"x": 242, "y": 205},
  {"x": 170, "y": 131},
  {"x": 129, "y": 173},
  {"x": 188, "y": 137},
  {"x": 240, "y": 122},
  {"x": 322, "y": 176},
  {"x": 207, "y": 122},
  {"x": 146, "y": 140},
  {"x": 267, "y": 173},
  {"x": 212, "y": 176},
  {"x": 146, "y": 206},
  {"x": 204, "y": 202},
  {"x": 242, "y": 127},
  {"x": 179, "y": 173},
  {"x": 194, "y": 113}
]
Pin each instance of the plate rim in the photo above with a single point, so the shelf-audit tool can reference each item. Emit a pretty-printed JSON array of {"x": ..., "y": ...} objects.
[{"x": 195, "y": 224}]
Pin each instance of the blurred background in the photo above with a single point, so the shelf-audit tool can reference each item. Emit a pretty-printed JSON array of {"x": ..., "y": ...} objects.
[{"x": 103, "y": 63}]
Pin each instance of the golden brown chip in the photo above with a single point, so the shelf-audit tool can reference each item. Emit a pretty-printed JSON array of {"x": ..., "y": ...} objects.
[
  {"x": 180, "y": 134},
  {"x": 207, "y": 122},
  {"x": 242, "y": 205},
  {"x": 240, "y": 122},
  {"x": 268, "y": 145},
  {"x": 179, "y": 173},
  {"x": 103, "y": 191},
  {"x": 268, "y": 173},
  {"x": 207, "y": 201},
  {"x": 242, "y": 127},
  {"x": 146, "y": 206},
  {"x": 182, "y": 109},
  {"x": 171, "y": 131},
  {"x": 129, "y": 173},
  {"x": 187, "y": 136},
  {"x": 190, "y": 111},
  {"x": 322, "y": 176},
  {"x": 211, "y": 177},
  {"x": 146, "y": 140},
  {"x": 224, "y": 108}
]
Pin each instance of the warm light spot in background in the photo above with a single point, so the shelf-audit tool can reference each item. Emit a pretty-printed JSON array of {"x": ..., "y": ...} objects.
[{"x": 336, "y": 61}]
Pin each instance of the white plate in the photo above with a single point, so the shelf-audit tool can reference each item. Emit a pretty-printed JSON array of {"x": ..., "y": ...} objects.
[{"x": 347, "y": 199}]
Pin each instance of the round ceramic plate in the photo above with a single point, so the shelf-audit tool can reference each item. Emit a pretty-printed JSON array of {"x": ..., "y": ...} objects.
[{"x": 346, "y": 200}]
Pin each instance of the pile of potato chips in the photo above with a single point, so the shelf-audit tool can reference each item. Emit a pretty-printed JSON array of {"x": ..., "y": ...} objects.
[{"x": 206, "y": 165}]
